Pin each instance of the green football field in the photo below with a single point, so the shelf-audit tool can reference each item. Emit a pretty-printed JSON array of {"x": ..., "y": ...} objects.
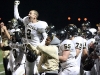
[{"x": 1, "y": 64}]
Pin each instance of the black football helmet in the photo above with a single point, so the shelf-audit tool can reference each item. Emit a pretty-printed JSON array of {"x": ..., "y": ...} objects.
[
  {"x": 50, "y": 28},
  {"x": 71, "y": 30},
  {"x": 61, "y": 34},
  {"x": 87, "y": 34},
  {"x": 31, "y": 56},
  {"x": 13, "y": 22},
  {"x": 86, "y": 25}
]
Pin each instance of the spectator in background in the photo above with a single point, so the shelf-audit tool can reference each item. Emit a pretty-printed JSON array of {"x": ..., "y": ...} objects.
[
  {"x": 4, "y": 43},
  {"x": 98, "y": 25}
]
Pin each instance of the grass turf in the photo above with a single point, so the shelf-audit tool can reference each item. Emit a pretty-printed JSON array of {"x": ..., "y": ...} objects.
[{"x": 1, "y": 64}]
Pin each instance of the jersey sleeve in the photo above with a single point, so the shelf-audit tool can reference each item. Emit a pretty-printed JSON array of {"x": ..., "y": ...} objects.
[
  {"x": 85, "y": 44},
  {"x": 25, "y": 20},
  {"x": 42, "y": 30},
  {"x": 42, "y": 27},
  {"x": 44, "y": 38},
  {"x": 16, "y": 13}
]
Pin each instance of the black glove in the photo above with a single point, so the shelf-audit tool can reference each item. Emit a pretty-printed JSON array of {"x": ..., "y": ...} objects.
[
  {"x": 88, "y": 64},
  {"x": 31, "y": 56}
]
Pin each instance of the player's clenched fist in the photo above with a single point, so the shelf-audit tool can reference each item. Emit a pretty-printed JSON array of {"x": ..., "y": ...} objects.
[{"x": 16, "y": 2}]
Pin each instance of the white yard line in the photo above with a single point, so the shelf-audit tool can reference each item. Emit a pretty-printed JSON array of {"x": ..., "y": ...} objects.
[
  {"x": 1, "y": 63},
  {"x": 2, "y": 72}
]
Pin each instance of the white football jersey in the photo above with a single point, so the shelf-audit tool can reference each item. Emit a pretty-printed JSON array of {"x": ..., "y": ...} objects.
[
  {"x": 68, "y": 45},
  {"x": 16, "y": 51},
  {"x": 35, "y": 35},
  {"x": 33, "y": 31},
  {"x": 78, "y": 42}
]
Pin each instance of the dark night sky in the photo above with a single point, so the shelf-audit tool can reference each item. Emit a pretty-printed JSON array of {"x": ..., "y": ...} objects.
[{"x": 55, "y": 11}]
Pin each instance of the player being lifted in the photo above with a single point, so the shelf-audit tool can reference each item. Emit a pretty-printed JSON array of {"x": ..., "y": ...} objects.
[{"x": 34, "y": 31}]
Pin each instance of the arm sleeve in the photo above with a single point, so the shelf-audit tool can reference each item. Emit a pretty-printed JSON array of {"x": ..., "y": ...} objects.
[
  {"x": 16, "y": 13},
  {"x": 42, "y": 30},
  {"x": 44, "y": 34}
]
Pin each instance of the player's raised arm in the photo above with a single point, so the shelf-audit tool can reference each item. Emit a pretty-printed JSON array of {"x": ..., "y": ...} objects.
[{"x": 16, "y": 13}]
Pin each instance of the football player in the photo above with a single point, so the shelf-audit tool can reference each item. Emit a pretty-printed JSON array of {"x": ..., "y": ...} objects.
[
  {"x": 17, "y": 60},
  {"x": 67, "y": 54},
  {"x": 79, "y": 44},
  {"x": 97, "y": 51},
  {"x": 49, "y": 61},
  {"x": 5, "y": 36},
  {"x": 34, "y": 31},
  {"x": 87, "y": 67}
]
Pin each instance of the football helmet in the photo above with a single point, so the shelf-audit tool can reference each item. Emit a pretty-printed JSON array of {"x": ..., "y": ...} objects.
[
  {"x": 93, "y": 31},
  {"x": 50, "y": 28},
  {"x": 87, "y": 24},
  {"x": 71, "y": 30},
  {"x": 31, "y": 56},
  {"x": 61, "y": 34},
  {"x": 87, "y": 34},
  {"x": 13, "y": 23}
]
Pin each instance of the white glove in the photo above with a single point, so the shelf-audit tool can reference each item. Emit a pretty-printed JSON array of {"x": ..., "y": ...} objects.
[{"x": 16, "y": 2}]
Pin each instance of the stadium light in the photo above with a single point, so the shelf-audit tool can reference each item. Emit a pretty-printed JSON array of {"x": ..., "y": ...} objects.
[
  {"x": 79, "y": 19},
  {"x": 69, "y": 18},
  {"x": 85, "y": 19}
]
